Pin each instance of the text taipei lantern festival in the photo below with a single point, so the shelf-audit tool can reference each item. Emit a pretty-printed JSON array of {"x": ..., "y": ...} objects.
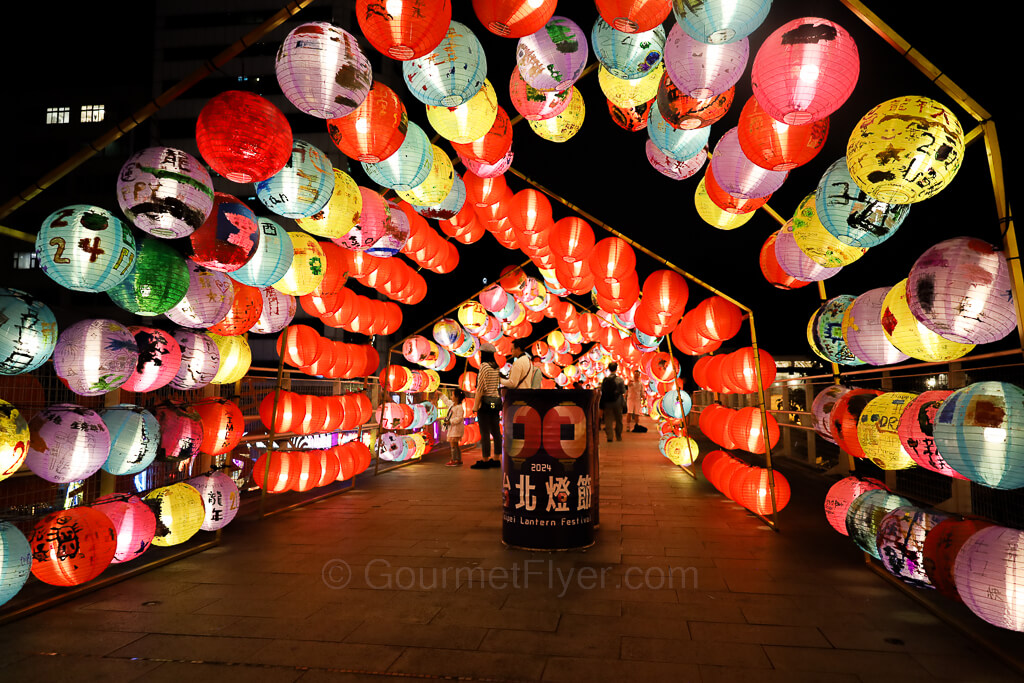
[
  {"x": 451, "y": 73},
  {"x": 302, "y": 187},
  {"x": 852, "y": 216},
  {"x": 133, "y": 521},
  {"x": 158, "y": 280},
  {"x": 862, "y": 330},
  {"x": 700, "y": 70},
  {"x": 165, "y": 192},
  {"x": 85, "y": 248},
  {"x": 72, "y": 547},
  {"x": 95, "y": 356},
  {"x": 243, "y": 136},
  {"x": 406, "y": 30},
  {"x": 228, "y": 238},
  {"x": 134, "y": 438},
  {"x": 69, "y": 443},
  {"x": 28, "y": 336},
  {"x": 322, "y": 70}
]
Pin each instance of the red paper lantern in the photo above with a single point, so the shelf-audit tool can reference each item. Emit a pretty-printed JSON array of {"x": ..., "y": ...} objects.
[
  {"x": 406, "y": 30},
  {"x": 309, "y": 470},
  {"x": 710, "y": 460},
  {"x": 771, "y": 269},
  {"x": 611, "y": 259},
  {"x": 228, "y": 237},
  {"x": 634, "y": 16},
  {"x": 493, "y": 145},
  {"x": 727, "y": 202},
  {"x": 375, "y": 129},
  {"x": 752, "y": 491},
  {"x": 223, "y": 425},
  {"x": 942, "y": 545},
  {"x": 775, "y": 145},
  {"x": 572, "y": 240},
  {"x": 71, "y": 547},
  {"x": 845, "y": 416},
  {"x": 288, "y": 405},
  {"x": 330, "y": 466},
  {"x": 514, "y": 18},
  {"x": 718, "y": 318},
  {"x": 689, "y": 113},
  {"x": 275, "y": 471},
  {"x": 246, "y": 309},
  {"x": 747, "y": 429},
  {"x": 299, "y": 345},
  {"x": 243, "y": 136},
  {"x": 742, "y": 364}
]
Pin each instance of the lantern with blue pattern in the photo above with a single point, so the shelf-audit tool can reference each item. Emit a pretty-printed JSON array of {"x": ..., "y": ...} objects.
[
  {"x": 85, "y": 248},
  {"x": 627, "y": 55},
  {"x": 678, "y": 143},
  {"x": 720, "y": 22},
  {"x": 134, "y": 438},
  {"x": 270, "y": 261},
  {"x": 302, "y": 187},
  {"x": 852, "y": 216},
  {"x": 28, "y": 335},
  {"x": 451, "y": 73}
]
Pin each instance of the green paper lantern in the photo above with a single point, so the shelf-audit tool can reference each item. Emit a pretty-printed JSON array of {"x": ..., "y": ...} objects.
[{"x": 156, "y": 284}]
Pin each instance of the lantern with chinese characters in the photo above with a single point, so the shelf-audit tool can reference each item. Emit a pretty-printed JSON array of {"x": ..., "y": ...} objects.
[
  {"x": 533, "y": 104},
  {"x": 235, "y": 358},
  {"x": 627, "y": 55},
  {"x": 245, "y": 311},
  {"x": 671, "y": 167},
  {"x": 468, "y": 121},
  {"x": 179, "y": 513},
  {"x": 15, "y": 561},
  {"x": 805, "y": 70},
  {"x": 941, "y": 547},
  {"x": 817, "y": 243},
  {"x": 553, "y": 57},
  {"x": 228, "y": 238},
  {"x": 404, "y": 30},
  {"x": 821, "y": 410},
  {"x": 307, "y": 268},
  {"x": 322, "y": 71},
  {"x": 181, "y": 432},
  {"x": 85, "y": 248},
  {"x": 916, "y": 432},
  {"x": 278, "y": 311},
  {"x": 95, "y": 356},
  {"x": 845, "y": 417},
  {"x": 738, "y": 175},
  {"x": 134, "y": 438},
  {"x": 159, "y": 359},
  {"x": 901, "y": 538},
  {"x": 209, "y": 298},
  {"x": 794, "y": 262},
  {"x": 678, "y": 143},
  {"x": 243, "y": 136},
  {"x": 270, "y": 261},
  {"x": 865, "y": 514},
  {"x": 701, "y": 70},
  {"x": 716, "y": 22},
  {"x": 989, "y": 576},
  {"x": 72, "y": 547},
  {"x": 910, "y": 336},
  {"x": 220, "y": 499},
  {"x": 200, "y": 359},
  {"x": 775, "y": 145},
  {"x": 878, "y": 430},
  {"x": 825, "y": 331},
  {"x": 979, "y": 430},
  {"x": 14, "y": 440},
  {"x": 841, "y": 495},
  {"x": 302, "y": 187},
  {"x": 158, "y": 281},
  {"x": 375, "y": 129},
  {"x": 133, "y": 521},
  {"x": 409, "y": 165},
  {"x": 222, "y": 424},
  {"x": 850, "y": 215},
  {"x": 862, "y": 330},
  {"x": 451, "y": 73},
  {"x": 165, "y": 192},
  {"x": 28, "y": 335}
]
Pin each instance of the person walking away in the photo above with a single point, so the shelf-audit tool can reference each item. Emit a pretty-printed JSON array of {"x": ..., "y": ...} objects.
[
  {"x": 612, "y": 389},
  {"x": 455, "y": 422},
  {"x": 633, "y": 393},
  {"x": 487, "y": 404}
]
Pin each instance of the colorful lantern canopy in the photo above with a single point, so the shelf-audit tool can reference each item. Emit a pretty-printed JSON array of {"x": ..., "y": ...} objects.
[
  {"x": 322, "y": 70},
  {"x": 95, "y": 356},
  {"x": 817, "y": 243},
  {"x": 159, "y": 359},
  {"x": 200, "y": 360},
  {"x": 632, "y": 17},
  {"x": 842, "y": 494},
  {"x": 794, "y": 262},
  {"x": 307, "y": 269},
  {"x": 901, "y": 538},
  {"x": 14, "y": 440},
  {"x": 739, "y": 176},
  {"x": 960, "y": 289},
  {"x": 302, "y": 187},
  {"x": 554, "y": 57},
  {"x": 714, "y": 215},
  {"x": 375, "y": 129},
  {"x": 451, "y": 73},
  {"x": 988, "y": 576},
  {"x": 28, "y": 336},
  {"x": 222, "y": 424},
  {"x": 179, "y": 513},
  {"x": 134, "y": 524},
  {"x": 689, "y": 113},
  {"x": 158, "y": 280},
  {"x": 805, "y": 70},
  {"x": 404, "y": 31},
  {"x": 134, "y": 438},
  {"x": 979, "y": 430},
  {"x": 916, "y": 432},
  {"x": 701, "y": 70},
  {"x": 905, "y": 150},
  {"x": 340, "y": 214},
  {"x": 468, "y": 121},
  {"x": 627, "y": 55},
  {"x": 772, "y": 269},
  {"x": 718, "y": 22},
  {"x": 678, "y": 143},
  {"x": 165, "y": 192},
  {"x": 849, "y": 214},
  {"x": 845, "y": 417},
  {"x": 825, "y": 331},
  {"x": 877, "y": 430},
  {"x": 865, "y": 514},
  {"x": 941, "y": 547},
  {"x": 514, "y": 18},
  {"x": 69, "y": 443},
  {"x": 533, "y": 104},
  {"x": 72, "y": 547},
  {"x": 634, "y": 92},
  {"x": 181, "y": 432},
  {"x": 15, "y": 561},
  {"x": 243, "y": 136},
  {"x": 220, "y": 498},
  {"x": 235, "y": 358},
  {"x": 671, "y": 167},
  {"x": 775, "y": 145},
  {"x": 407, "y": 167},
  {"x": 85, "y": 248},
  {"x": 228, "y": 238},
  {"x": 910, "y": 336},
  {"x": 862, "y": 330}
]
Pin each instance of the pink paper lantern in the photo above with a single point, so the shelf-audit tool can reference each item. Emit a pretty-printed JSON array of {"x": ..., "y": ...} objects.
[
  {"x": 841, "y": 494},
  {"x": 220, "y": 498},
  {"x": 374, "y": 220},
  {"x": 700, "y": 70},
  {"x": 95, "y": 356},
  {"x": 159, "y": 359},
  {"x": 278, "y": 311},
  {"x": 200, "y": 360},
  {"x": 485, "y": 170},
  {"x": 134, "y": 523},
  {"x": 69, "y": 443},
  {"x": 553, "y": 57},
  {"x": 916, "y": 432},
  {"x": 738, "y": 175},
  {"x": 794, "y": 262},
  {"x": 208, "y": 300},
  {"x": 673, "y": 168},
  {"x": 862, "y": 329},
  {"x": 533, "y": 104},
  {"x": 989, "y": 574},
  {"x": 322, "y": 70},
  {"x": 181, "y": 432}
]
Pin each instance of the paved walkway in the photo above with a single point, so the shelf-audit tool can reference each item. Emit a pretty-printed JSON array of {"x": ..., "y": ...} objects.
[{"x": 682, "y": 585}]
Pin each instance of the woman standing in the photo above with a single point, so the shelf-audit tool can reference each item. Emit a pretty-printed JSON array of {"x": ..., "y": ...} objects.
[
  {"x": 487, "y": 404},
  {"x": 455, "y": 421}
]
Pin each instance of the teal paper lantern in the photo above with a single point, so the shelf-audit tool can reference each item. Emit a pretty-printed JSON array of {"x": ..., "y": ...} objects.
[
  {"x": 627, "y": 55},
  {"x": 720, "y": 22},
  {"x": 851, "y": 216},
  {"x": 15, "y": 561},
  {"x": 134, "y": 437},
  {"x": 826, "y": 331},
  {"x": 676, "y": 403},
  {"x": 451, "y": 73},
  {"x": 85, "y": 248},
  {"x": 406, "y": 168},
  {"x": 979, "y": 430},
  {"x": 302, "y": 187},
  {"x": 28, "y": 332},
  {"x": 272, "y": 258},
  {"x": 675, "y": 142},
  {"x": 158, "y": 282},
  {"x": 865, "y": 515}
]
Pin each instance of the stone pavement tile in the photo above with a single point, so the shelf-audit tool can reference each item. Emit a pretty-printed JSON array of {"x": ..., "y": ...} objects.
[
  {"x": 380, "y": 632},
  {"x": 459, "y": 663},
  {"x": 323, "y": 655},
  {"x": 544, "y": 643},
  {"x": 727, "y": 613},
  {"x": 606, "y": 608},
  {"x": 726, "y": 598},
  {"x": 871, "y": 665},
  {"x": 76, "y": 668},
  {"x": 216, "y": 591},
  {"x": 193, "y": 648},
  {"x": 328, "y": 676},
  {"x": 781, "y": 587},
  {"x": 979, "y": 667},
  {"x": 802, "y": 636},
  {"x": 594, "y": 670},
  {"x": 256, "y": 606},
  {"x": 405, "y": 606},
  {"x": 322, "y": 626},
  {"x": 179, "y": 603},
  {"x": 176, "y": 672},
  {"x": 64, "y": 641},
  {"x": 762, "y": 614},
  {"x": 626, "y": 625},
  {"x": 671, "y": 649},
  {"x": 511, "y": 618},
  {"x": 924, "y": 639},
  {"x": 738, "y": 674},
  {"x": 665, "y": 561},
  {"x": 68, "y": 617}
]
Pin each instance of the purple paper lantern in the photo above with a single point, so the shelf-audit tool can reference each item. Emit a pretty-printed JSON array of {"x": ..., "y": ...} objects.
[
  {"x": 484, "y": 170},
  {"x": 395, "y": 233},
  {"x": 701, "y": 70},
  {"x": 200, "y": 360},
  {"x": 322, "y": 70},
  {"x": 278, "y": 312},
  {"x": 821, "y": 409},
  {"x": 989, "y": 572},
  {"x": 900, "y": 541},
  {"x": 862, "y": 329},
  {"x": 69, "y": 443},
  {"x": 181, "y": 432},
  {"x": 95, "y": 356},
  {"x": 794, "y": 262},
  {"x": 738, "y": 175},
  {"x": 960, "y": 289},
  {"x": 553, "y": 57},
  {"x": 673, "y": 168},
  {"x": 209, "y": 298},
  {"x": 165, "y": 192},
  {"x": 159, "y": 359},
  {"x": 134, "y": 523},
  {"x": 220, "y": 499}
]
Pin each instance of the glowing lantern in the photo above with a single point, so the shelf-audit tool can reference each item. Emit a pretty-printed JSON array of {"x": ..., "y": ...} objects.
[
  {"x": 718, "y": 319},
  {"x": 680, "y": 450},
  {"x": 718, "y": 22},
  {"x": 489, "y": 170},
  {"x": 404, "y": 30},
  {"x": 469, "y": 121},
  {"x": 220, "y": 498},
  {"x": 302, "y": 187},
  {"x": 95, "y": 356},
  {"x": 900, "y": 540},
  {"x": 28, "y": 336},
  {"x": 490, "y": 147},
  {"x": 341, "y": 212},
  {"x": 451, "y": 73},
  {"x": 158, "y": 281},
  {"x": 702, "y": 70},
  {"x": 612, "y": 258},
  {"x": 905, "y": 150},
  {"x": 270, "y": 261},
  {"x": 200, "y": 360},
  {"x": 634, "y": 92},
  {"x": 825, "y": 331},
  {"x": 676, "y": 403},
  {"x": 689, "y": 113},
  {"x": 865, "y": 514},
  {"x": 726, "y": 201},
  {"x": 753, "y": 490},
  {"x": 563, "y": 126},
  {"x": 209, "y": 298},
  {"x": 134, "y": 438},
  {"x": 513, "y": 18},
  {"x": 747, "y": 429},
  {"x": 989, "y": 576},
  {"x": 159, "y": 360},
  {"x": 842, "y": 494},
  {"x": 69, "y": 443},
  {"x": 533, "y": 104},
  {"x": 941, "y": 547},
  {"x": 553, "y": 57},
  {"x": 375, "y": 129},
  {"x": 437, "y": 184},
  {"x": 773, "y": 271},
  {"x": 714, "y": 215},
  {"x": 14, "y": 440},
  {"x": 165, "y": 192},
  {"x": 845, "y": 417},
  {"x": 863, "y": 333},
  {"x": 849, "y": 214},
  {"x": 817, "y": 243},
  {"x": 134, "y": 524},
  {"x": 449, "y": 207},
  {"x": 739, "y": 176},
  {"x": 243, "y": 136},
  {"x": 979, "y": 430},
  {"x": 222, "y": 424},
  {"x": 179, "y": 513},
  {"x": 821, "y": 410},
  {"x": 448, "y": 333},
  {"x": 794, "y": 262},
  {"x": 235, "y": 358},
  {"x": 409, "y": 165},
  {"x": 775, "y": 145},
  {"x": 228, "y": 238},
  {"x": 275, "y": 471},
  {"x": 307, "y": 268},
  {"x": 85, "y": 248},
  {"x": 671, "y": 167},
  {"x": 912, "y": 337},
  {"x": 72, "y": 547},
  {"x": 473, "y": 317},
  {"x": 743, "y": 366},
  {"x": 322, "y": 71},
  {"x": 181, "y": 432},
  {"x": 960, "y": 289},
  {"x": 916, "y": 432},
  {"x": 677, "y": 143},
  {"x": 877, "y": 430},
  {"x": 627, "y": 56}
]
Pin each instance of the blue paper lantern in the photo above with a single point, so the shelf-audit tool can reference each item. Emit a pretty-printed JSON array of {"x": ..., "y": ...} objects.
[
  {"x": 409, "y": 166},
  {"x": 720, "y": 22},
  {"x": 451, "y": 73},
  {"x": 272, "y": 258},
  {"x": 627, "y": 55},
  {"x": 134, "y": 438},
  {"x": 675, "y": 142},
  {"x": 676, "y": 403},
  {"x": 15, "y": 561},
  {"x": 979, "y": 430},
  {"x": 85, "y": 248},
  {"x": 646, "y": 342},
  {"x": 851, "y": 216},
  {"x": 302, "y": 187},
  {"x": 28, "y": 333}
]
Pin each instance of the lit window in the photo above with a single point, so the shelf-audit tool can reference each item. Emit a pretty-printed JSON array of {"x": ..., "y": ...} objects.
[
  {"x": 25, "y": 260},
  {"x": 92, "y": 113},
  {"x": 58, "y": 115}
]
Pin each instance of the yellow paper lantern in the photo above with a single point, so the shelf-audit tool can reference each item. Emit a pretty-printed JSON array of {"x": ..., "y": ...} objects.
[
  {"x": 179, "y": 512},
  {"x": 878, "y": 430},
  {"x": 473, "y": 317},
  {"x": 433, "y": 380},
  {"x": 908, "y": 335},
  {"x": 235, "y": 358},
  {"x": 819, "y": 244},
  {"x": 563, "y": 126},
  {"x": 307, "y": 269},
  {"x": 438, "y": 184},
  {"x": 631, "y": 92},
  {"x": 340, "y": 213},
  {"x": 905, "y": 150},
  {"x": 715, "y": 216},
  {"x": 468, "y": 121},
  {"x": 811, "y": 326},
  {"x": 681, "y": 450}
]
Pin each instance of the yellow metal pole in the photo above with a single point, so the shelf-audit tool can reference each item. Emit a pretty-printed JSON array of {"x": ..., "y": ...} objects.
[{"x": 762, "y": 399}]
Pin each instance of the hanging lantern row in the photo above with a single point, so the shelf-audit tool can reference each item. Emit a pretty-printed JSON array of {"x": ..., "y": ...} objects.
[
  {"x": 753, "y": 487},
  {"x": 398, "y": 416},
  {"x": 304, "y": 348},
  {"x": 397, "y": 378},
  {"x": 310, "y": 414},
  {"x": 280, "y": 471},
  {"x": 401, "y": 447},
  {"x": 734, "y": 373},
  {"x": 742, "y": 428}
]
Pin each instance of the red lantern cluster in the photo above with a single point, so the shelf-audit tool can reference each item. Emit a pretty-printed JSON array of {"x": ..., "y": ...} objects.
[
  {"x": 748, "y": 485},
  {"x": 742, "y": 429},
  {"x": 428, "y": 250},
  {"x": 687, "y": 338},
  {"x": 664, "y": 298},
  {"x": 304, "y": 348},
  {"x": 463, "y": 226},
  {"x": 734, "y": 373},
  {"x": 309, "y": 414},
  {"x": 280, "y": 471}
]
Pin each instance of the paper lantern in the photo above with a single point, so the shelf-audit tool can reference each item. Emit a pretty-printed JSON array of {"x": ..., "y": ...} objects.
[
  {"x": 878, "y": 430},
  {"x": 158, "y": 361},
  {"x": 341, "y": 212},
  {"x": 200, "y": 360},
  {"x": 533, "y": 104},
  {"x": 714, "y": 215},
  {"x": 905, "y": 150},
  {"x": 409, "y": 165},
  {"x": 298, "y": 346},
  {"x": 243, "y": 136},
  {"x": 632, "y": 92},
  {"x": 15, "y": 561},
  {"x": 85, "y": 248},
  {"x": 743, "y": 365},
  {"x": 746, "y": 428},
  {"x": 825, "y": 331},
  {"x": 245, "y": 311},
  {"x": 773, "y": 271},
  {"x": 179, "y": 513},
  {"x": 158, "y": 281},
  {"x": 404, "y": 31},
  {"x": 739, "y": 176},
  {"x": 165, "y": 191},
  {"x": 307, "y": 268},
  {"x": 493, "y": 145},
  {"x": 447, "y": 208},
  {"x": 220, "y": 498},
  {"x": 322, "y": 71},
  {"x": 989, "y": 576},
  {"x": 375, "y": 129},
  {"x": 235, "y": 358},
  {"x": 468, "y": 121},
  {"x": 916, "y": 433},
  {"x": 627, "y": 55},
  {"x": 821, "y": 410},
  {"x": 275, "y": 471},
  {"x": 960, "y": 289},
  {"x": 209, "y": 298},
  {"x": 941, "y": 547},
  {"x": 910, "y": 336},
  {"x": 728, "y": 202},
  {"x": 718, "y": 319},
  {"x": 181, "y": 432},
  {"x": 979, "y": 430},
  {"x": 865, "y": 514},
  {"x": 701, "y": 70},
  {"x": 14, "y": 441},
  {"x": 451, "y": 73},
  {"x": 680, "y": 450},
  {"x": 794, "y": 262},
  {"x": 228, "y": 238},
  {"x": 303, "y": 187},
  {"x": 554, "y": 57},
  {"x": 72, "y": 547},
  {"x": 95, "y": 356},
  {"x": 28, "y": 335},
  {"x": 805, "y": 70},
  {"x": 134, "y": 438},
  {"x": 841, "y": 494},
  {"x": 270, "y": 261},
  {"x": 753, "y": 490},
  {"x": 277, "y": 313},
  {"x": 513, "y": 18},
  {"x": 775, "y": 145},
  {"x": 845, "y": 418},
  {"x": 716, "y": 22},
  {"x": 817, "y": 243},
  {"x": 689, "y": 113},
  {"x": 849, "y": 214},
  {"x": 437, "y": 185},
  {"x": 222, "y": 424},
  {"x": 678, "y": 143},
  {"x": 134, "y": 524},
  {"x": 863, "y": 333},
  {"x": 630, "y": 118},
  {"x": 671, "y": 167},
  {"x": 900, "y": 540},
  {"x": 676, "y": 403}
]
